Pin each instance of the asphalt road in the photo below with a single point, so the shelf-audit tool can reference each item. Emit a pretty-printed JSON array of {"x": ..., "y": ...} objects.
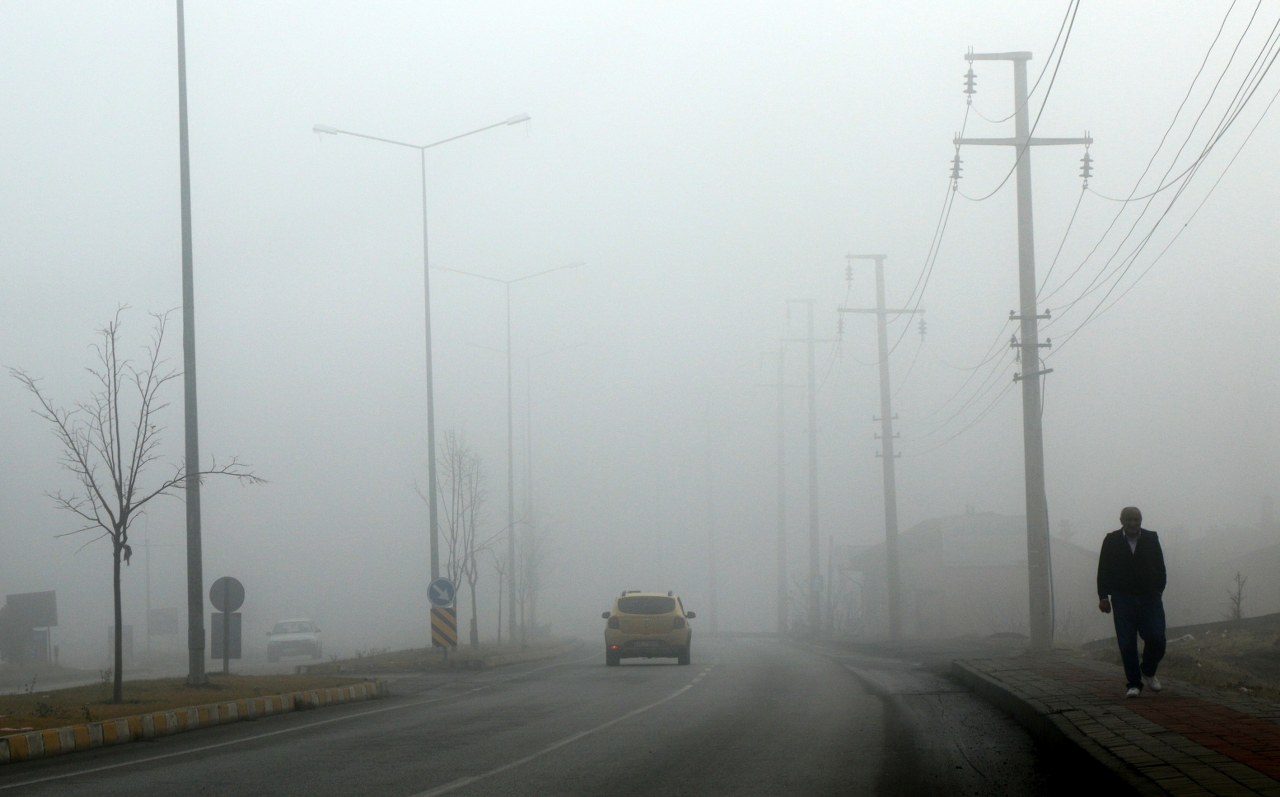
[{"x": 747, "y": 717}]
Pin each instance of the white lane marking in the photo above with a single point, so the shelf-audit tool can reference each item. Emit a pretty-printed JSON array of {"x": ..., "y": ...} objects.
[
  {"x": 284, "y": 731},
  {"x": 467, "y": 781}
]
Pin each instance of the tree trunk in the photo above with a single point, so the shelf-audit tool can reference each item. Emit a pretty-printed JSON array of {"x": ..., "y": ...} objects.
[
  {"x": 475, "y": 625},
  {"x": 117, "y": 684},
  {"x": 500, "y": 582}
]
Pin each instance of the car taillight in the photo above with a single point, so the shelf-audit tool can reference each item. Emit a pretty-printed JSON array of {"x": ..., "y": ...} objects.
[
  {"x": 614, "y": 622},
  {"x": 678, "y": 622}
]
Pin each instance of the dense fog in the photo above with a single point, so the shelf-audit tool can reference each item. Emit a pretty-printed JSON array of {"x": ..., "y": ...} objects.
[{"x": 706, "y": 168}]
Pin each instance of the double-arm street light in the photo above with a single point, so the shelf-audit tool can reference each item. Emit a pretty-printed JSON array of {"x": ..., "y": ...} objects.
[
  {"x": 426, "y": 291},
  {"x": 511, "y": 495}
]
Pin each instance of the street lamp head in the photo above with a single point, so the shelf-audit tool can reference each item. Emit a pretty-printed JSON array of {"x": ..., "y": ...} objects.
[
  {"x": 515, "y": 120},
  {"x": 333, "y": 131}
]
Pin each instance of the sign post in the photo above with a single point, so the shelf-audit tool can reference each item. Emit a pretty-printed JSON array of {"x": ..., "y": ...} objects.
[
  {"x": 441, "y": 592},
  {"x": 227, "y": 595}
]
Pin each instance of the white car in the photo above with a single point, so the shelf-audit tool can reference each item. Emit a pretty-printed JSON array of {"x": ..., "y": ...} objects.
[{"x": 295, "y": 637}]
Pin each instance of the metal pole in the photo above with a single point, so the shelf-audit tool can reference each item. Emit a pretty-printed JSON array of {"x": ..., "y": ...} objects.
[
  {"x": 712, "y": 558},
  {"x": 814, "y": 575},
  {"x": 195, "y": 566},
  {"x": 511, "y": 501},
  {"x": 226, "y": 626},
  {"x": 432, "y": 498},
  {"x": 528, "y": 441},
  {"x": 511, "y": 488},
  {"x": 782, "y": 493},
  {"x": 830, "y": 613},
  {"x": 146, "y": 548},
  {"x": 530, "y": 528}
]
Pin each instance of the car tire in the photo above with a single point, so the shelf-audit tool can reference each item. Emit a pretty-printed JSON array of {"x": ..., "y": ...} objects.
[
  {"x": 612, "y": 659},
  {"x": 683, "y": 656}
]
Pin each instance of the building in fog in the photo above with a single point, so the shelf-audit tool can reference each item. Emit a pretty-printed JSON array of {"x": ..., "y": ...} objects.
[{"x": 966, "y": 575}]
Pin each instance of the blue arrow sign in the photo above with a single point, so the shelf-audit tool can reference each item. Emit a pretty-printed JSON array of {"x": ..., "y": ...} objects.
[{"x": 441, "y": 592}]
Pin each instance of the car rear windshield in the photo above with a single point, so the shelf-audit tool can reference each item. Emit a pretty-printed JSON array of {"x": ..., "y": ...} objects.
[
  {"x": 646, "y": 604},
  {"x": 292, "y": 628}
]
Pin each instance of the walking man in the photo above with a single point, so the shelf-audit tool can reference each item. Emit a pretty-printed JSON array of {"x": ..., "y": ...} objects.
[{"x": 1131, "y": 581}]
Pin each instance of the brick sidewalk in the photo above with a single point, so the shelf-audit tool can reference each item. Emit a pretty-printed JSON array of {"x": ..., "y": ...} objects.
[{"x": 1186, "y": 740}]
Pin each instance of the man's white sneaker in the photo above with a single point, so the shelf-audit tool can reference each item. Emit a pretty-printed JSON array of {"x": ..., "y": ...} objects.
[
  {"x": 1151, "y": 682},
  {"x": 1133, "y": 692}
]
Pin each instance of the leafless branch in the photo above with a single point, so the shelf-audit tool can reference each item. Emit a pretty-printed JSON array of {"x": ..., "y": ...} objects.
[{"x": 110, "y": 444}]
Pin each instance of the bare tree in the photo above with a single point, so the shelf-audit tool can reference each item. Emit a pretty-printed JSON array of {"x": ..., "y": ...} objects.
[
  {"x": 1235, "y": 597},
  {"x": 462, "y": 504},
  {"x": 500, "y": 568},
  {"x": 110, "y": 442}
]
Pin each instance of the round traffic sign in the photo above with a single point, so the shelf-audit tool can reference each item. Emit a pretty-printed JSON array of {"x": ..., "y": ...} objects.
[
  {"x": 441, "y": 592},
  {"x": 227, "y": 594}
]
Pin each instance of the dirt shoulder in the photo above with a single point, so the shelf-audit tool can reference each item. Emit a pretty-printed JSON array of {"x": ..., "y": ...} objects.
[{"x": 1240, "y": 655}]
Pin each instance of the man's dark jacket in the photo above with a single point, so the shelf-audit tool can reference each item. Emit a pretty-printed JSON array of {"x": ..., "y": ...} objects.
[{"x": 1140, "y": 572}]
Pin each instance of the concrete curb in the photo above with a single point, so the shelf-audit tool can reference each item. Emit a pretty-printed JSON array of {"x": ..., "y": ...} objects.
[
  {"x": 59, "y": 741},
  {"x": 1052, "y": 727}
]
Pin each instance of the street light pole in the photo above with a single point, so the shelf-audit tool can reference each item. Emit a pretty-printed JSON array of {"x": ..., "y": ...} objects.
[
  {"x": 195, "y": 558},
  {"x": 511, "y": 490},
  {"x": 426, "y": 294}
]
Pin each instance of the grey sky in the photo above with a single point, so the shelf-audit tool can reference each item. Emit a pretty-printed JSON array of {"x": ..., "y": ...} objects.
[{"x": 706, "y": 162}]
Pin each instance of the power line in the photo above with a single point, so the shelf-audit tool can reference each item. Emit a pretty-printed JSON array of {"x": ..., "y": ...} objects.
[
  {"x": 1103, "y": 273},
  {"x": 1257, "y": 71},
  {"x": 1022, "y": 150},
  {"x": 970, "y": 77}
]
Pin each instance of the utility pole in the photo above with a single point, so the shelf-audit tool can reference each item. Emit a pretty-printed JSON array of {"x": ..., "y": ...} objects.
[
  {"x": 1039, "y": 578},
  {"x": 893, "y": 574},
  {"x": 784, "y": 600},
  {"x": 531, "y": 528},
  {"x": 711, "y": 530},
  {"x": 830, "y": 613},
  {"x": 814, "y": 576},
  {"x": 782, "y": 492}
]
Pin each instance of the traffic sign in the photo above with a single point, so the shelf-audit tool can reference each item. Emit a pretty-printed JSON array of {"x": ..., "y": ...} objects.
[
  {"x": 444, "y": 628},
  {"x": 224, "y": 636},
  {"x": 441, "y": 592},
  {"x": 227, "y": 594}
]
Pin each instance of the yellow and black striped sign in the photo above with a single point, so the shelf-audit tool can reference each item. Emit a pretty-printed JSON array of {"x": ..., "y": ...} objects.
[{"x": 444, "y": 627}]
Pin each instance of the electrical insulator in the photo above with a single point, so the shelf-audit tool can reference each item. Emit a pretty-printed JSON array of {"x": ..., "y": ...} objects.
[
  {"x": 955, "y": 167},
  {"x": 848, "y": 273},
  {"x": 970, "y": 81},
  {"x": 840, "y": 325},
  {"x": 922, "y": 328},
  {"x": 1086, "y": 167}
]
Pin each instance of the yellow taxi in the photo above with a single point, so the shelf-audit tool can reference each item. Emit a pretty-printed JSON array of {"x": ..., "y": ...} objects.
[{"x": 647, "y": 625}]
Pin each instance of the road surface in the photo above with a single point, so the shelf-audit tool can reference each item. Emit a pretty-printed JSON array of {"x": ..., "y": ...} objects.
[{"x": 747, "y": 717}]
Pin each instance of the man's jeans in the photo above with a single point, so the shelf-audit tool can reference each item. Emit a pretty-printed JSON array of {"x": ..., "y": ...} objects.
[{"x": 1139, "y": 616}]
